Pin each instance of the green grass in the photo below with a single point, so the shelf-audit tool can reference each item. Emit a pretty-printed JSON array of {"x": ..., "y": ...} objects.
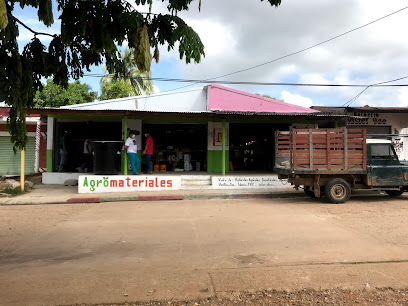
[{"x": 15, "y": 191}]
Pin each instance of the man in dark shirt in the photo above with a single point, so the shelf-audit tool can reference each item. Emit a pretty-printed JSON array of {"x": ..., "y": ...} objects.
[{"x": 63, "y": 152}]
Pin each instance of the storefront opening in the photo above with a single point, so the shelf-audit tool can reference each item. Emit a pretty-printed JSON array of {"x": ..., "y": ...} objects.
[
  {"x": 178, "y": 147},
  {"x": 77, "y": 133},
  {"x": 252, "y": 146}
]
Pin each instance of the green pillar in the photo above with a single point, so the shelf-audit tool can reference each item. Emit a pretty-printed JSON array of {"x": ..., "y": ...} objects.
[
  {"x": 124, "y": 154},
  {"x": 223, "y": 147},
  {"x": 336, "y": 124}
]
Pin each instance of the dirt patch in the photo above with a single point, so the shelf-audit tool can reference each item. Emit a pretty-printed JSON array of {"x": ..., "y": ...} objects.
[
  {"x": 380, "y": 297},
  {"x": 248, "y": 259}
]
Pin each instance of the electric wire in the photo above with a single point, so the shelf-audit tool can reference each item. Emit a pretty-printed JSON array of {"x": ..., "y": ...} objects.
[
  {"x": 348, "y": 103},
  {"x": 258, "y": 83},
  {"x": 302, "y": 50}
]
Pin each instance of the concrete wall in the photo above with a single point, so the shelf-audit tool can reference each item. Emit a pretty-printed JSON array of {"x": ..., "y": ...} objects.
[{"x": 193, "y": 100}]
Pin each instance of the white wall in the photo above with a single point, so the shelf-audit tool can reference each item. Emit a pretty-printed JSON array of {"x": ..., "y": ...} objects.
[
  {"x": 134, "y": 124},
  {"x": 50, "y": 133},
  {"x": 192, "y": 100}
]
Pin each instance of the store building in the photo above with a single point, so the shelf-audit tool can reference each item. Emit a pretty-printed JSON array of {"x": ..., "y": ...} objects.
[
  {"x": 214, "y": 129},
  {"x": 380, "y": 122},
  {"x": 35, "y": 153}
]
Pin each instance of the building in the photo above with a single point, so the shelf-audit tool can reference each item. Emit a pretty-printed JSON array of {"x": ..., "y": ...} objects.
[
  {"x": 380, "y": 122},
  {"x": 35, "y": 153},
  {"x": 213, "y": 129}
]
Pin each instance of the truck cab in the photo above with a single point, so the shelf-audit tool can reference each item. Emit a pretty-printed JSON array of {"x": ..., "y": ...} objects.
[{"x": 383, "y": 166}]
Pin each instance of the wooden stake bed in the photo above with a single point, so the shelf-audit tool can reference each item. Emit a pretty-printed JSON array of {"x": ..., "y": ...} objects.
[{"x": 321, "y": 150}]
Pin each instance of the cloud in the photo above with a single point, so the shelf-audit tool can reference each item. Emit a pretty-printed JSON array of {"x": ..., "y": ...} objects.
[
  {"x": 254, "y": 33},
  {"x": 296, "y": 99}
]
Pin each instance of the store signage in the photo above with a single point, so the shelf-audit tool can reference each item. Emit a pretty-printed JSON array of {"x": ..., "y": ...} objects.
[
  {"x": 232, "y": 182},
  {"x": 217, "y": 137},
  {"x": 367, "y": 119},
  {"x": 126, "y": 183}
]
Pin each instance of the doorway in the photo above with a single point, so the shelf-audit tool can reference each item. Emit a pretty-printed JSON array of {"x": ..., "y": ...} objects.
[{"x": 252, "y": 146}]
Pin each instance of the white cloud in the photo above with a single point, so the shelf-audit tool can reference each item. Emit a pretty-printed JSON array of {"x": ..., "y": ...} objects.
[
  {"x": 296, "y": 99},
  {"x": 256, "y": 33},
  {"x": 217, "y": 38}
]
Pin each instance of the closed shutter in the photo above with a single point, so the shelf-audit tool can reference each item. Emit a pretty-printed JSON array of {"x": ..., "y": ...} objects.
[
  {"x": 10, "y": 162},
  {"x": 373, "y": 129}
]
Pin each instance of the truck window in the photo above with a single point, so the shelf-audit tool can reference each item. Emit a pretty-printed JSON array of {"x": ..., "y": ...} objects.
[{"x": 382, "y": 151}]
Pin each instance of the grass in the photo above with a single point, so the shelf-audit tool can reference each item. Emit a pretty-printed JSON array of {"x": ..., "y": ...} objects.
[{"x": 15, "y": 191}]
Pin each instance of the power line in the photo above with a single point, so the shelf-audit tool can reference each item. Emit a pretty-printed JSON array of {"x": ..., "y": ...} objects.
[
  {"x": 302, "y": 50},
  {"x": 348, "y": 103},
  {"x": 258, "y": 83}
]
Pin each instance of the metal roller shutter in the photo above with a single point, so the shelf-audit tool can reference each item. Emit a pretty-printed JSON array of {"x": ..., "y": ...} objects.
[{"x": 10, "y": 163}]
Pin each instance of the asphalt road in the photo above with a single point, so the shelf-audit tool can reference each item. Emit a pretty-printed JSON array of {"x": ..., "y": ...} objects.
[{"x": 140, "y": 251}]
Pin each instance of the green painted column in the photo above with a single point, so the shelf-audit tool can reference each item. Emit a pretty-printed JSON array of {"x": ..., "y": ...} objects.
[
  {"x": 125, "y": 161},
  {"x": 49, "y": 160},
  {"x": 223, "y": 147},
  {"x": 336, "y": 124}
]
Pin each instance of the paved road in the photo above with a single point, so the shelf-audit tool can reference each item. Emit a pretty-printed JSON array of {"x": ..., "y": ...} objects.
[{"x": 128, "y": 251}]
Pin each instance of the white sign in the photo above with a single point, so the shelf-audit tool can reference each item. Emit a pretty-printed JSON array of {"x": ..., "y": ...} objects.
[
  {"x": 366, "y": 119},
  {"x": 126, "y": 183},
  {"x": 235, "y": 182}
]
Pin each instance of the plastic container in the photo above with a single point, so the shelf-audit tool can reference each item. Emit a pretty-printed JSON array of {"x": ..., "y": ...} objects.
[
  {"x": 107, "y": 156},
  {"x": 156, "y": 168},
  {"x": 162, "y": 168}
]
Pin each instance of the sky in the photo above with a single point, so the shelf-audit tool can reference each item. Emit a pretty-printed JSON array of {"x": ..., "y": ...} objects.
[{"x": 239, "y": 34}]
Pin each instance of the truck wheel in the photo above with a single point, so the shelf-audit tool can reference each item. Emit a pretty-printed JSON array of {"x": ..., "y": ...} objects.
[
  {"x": 309, "y": 192},
  {"x": 337, "y": 191},
  {"x": 394, "y": 193}
]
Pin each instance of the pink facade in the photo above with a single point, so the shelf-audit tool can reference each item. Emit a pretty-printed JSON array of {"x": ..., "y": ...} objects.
[{"x": 228, "y": 99}]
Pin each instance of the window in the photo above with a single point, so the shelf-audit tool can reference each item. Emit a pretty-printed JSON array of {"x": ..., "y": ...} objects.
[{"x": 382, "y": 151}]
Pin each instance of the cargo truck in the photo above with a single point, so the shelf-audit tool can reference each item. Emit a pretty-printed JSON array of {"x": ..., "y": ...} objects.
[{"x": 336, "y": 162}]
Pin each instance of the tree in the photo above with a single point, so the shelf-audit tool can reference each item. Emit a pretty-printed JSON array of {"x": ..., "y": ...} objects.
[
  {"x": 91, "y": 32},
  {"x": 268, "y": 96},
  {"x": 114, "y": 90},
  {"x": 53, "y": 95},
  {"x": 139, "y": 81}
]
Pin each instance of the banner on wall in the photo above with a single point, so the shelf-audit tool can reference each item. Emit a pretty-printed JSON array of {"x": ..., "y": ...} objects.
[
  {"x": 217, "y": 137},
  {"x": 126, "y": 183},
  {"x": 250, "y": 182},
  {"x": 366, "y": 119}
]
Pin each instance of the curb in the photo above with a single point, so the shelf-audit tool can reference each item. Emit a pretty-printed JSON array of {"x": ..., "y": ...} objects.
[
  {"x": 119, "y": 199},
  {"x": 177, "y": 197},
  {"x": 161, "y": 197},
  {"x": 83, "y": 200},
  {"x": 244, "y": 196}
]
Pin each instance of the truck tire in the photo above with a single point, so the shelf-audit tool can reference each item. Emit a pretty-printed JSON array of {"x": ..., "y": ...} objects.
[
  {"x": 337, "y": 191},
  {"x": 309, "y": 192},
  {"x": 394, "y": 193}
]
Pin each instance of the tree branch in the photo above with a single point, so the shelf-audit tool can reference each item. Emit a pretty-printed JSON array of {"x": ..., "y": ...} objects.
[{"x": 31, "y": 30}]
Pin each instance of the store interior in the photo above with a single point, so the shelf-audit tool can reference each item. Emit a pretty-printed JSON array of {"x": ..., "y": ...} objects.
[
  {"x": 77, "y": 133},
  {"x": 252, "y": 146},
  {"x": 178, "y": 146}
]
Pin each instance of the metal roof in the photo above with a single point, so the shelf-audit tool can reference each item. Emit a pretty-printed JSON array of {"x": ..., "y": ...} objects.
[
  {"x": 368, "y": 109},
  {"x": 204, "y": 115},
  {"x": 319, "y": 114}
]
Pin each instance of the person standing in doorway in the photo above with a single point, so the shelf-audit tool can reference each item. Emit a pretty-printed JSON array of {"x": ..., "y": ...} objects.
[
  {"x": 131, "y": 149},
  {"x": 87, "y": 155},
  {"x": 63, "y": 152},
  {"x": 148, "y": 152}
]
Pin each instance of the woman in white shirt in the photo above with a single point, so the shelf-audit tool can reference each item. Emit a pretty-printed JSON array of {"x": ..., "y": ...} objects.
[{"x": 131, "y": 149}]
